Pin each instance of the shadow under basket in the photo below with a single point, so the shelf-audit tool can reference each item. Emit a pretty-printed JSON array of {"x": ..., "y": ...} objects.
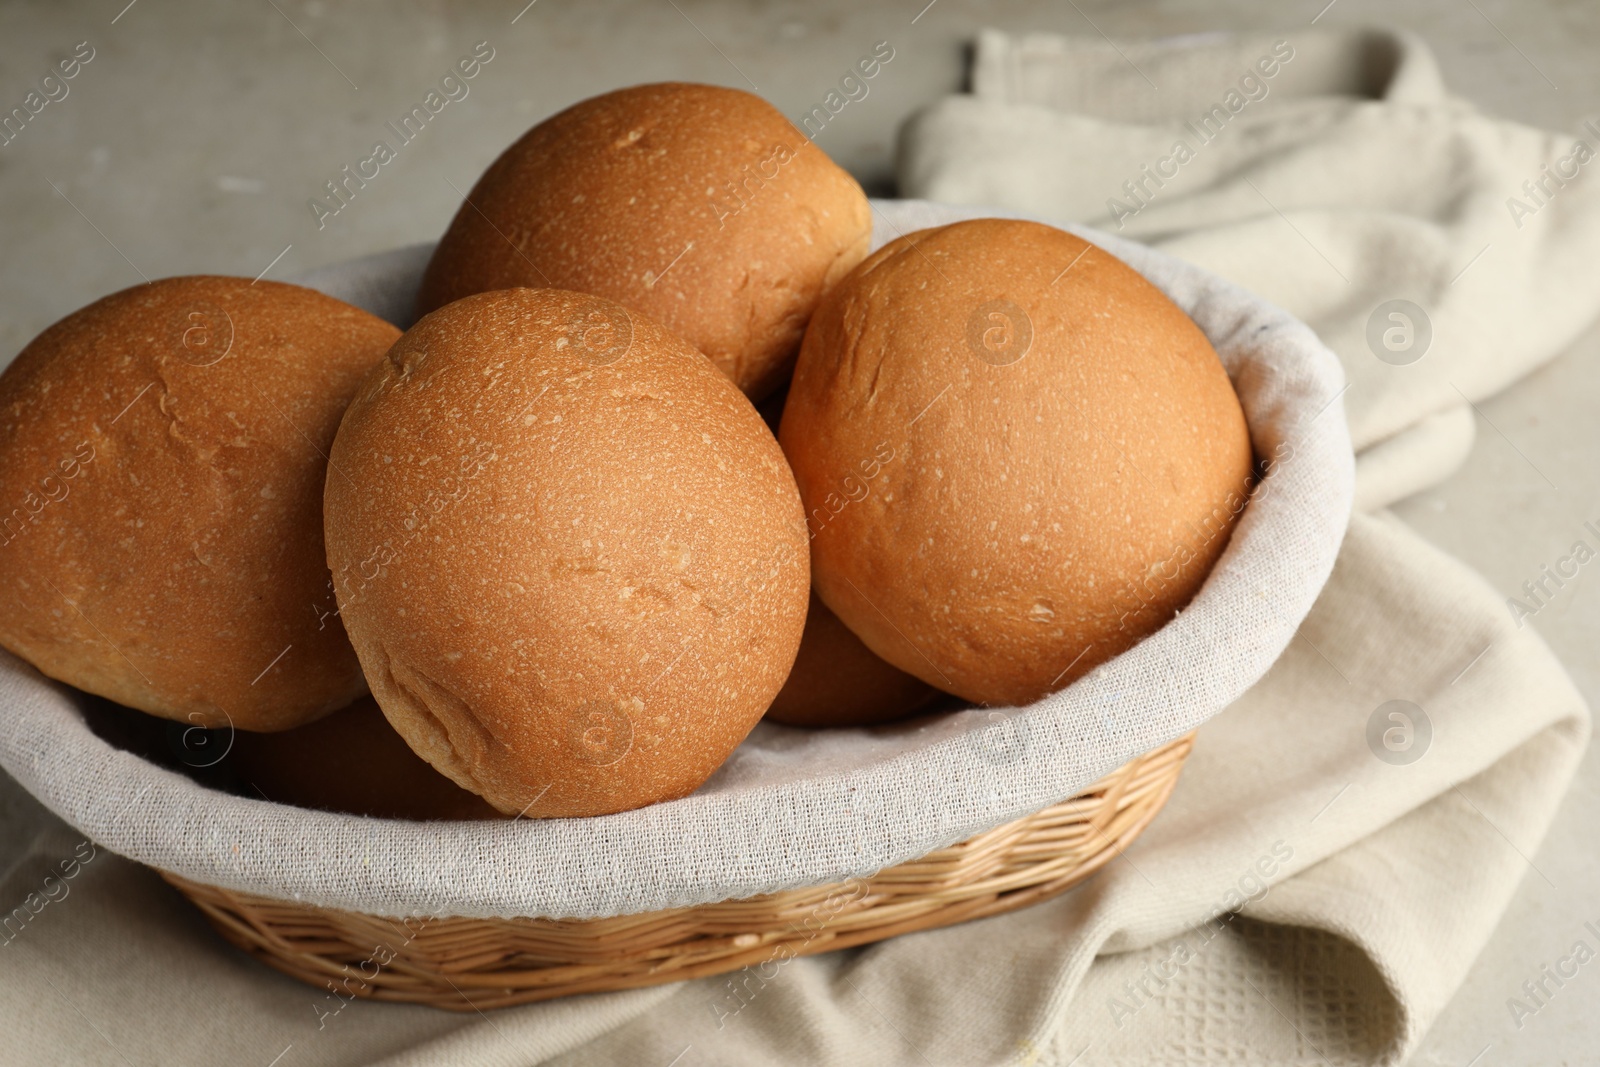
[{"x": 466, "y": 964}]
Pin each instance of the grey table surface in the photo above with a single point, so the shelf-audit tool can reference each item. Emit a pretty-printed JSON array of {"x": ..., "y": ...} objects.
[{"x": 195, "y": 137}]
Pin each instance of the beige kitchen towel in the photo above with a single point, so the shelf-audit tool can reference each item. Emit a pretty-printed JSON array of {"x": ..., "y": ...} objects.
[{"x": 1331, "y": 861}]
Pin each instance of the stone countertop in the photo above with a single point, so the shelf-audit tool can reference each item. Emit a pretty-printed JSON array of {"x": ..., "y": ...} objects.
[{"x": 194, "y": 138}]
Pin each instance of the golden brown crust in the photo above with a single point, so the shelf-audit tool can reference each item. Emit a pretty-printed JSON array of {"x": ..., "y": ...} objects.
[
  {"x": 351, "y": 761},
  {"x": 1018, "y": 457},
  {"x": 838, "y": 681},
  {"x": 699, "y": 206},
  {"x": 569, "y": 553},
  {"x": 162, "y": 453}
]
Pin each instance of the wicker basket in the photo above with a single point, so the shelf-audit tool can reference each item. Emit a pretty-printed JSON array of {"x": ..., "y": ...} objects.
[{"x": 471, "y": 964}]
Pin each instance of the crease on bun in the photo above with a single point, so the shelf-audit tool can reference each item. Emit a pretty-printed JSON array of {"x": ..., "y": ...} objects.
[{"x": 439, "y": 725}]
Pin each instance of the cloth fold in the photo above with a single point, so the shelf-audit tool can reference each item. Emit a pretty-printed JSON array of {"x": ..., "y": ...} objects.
[{"x": 1345, "y": 835}]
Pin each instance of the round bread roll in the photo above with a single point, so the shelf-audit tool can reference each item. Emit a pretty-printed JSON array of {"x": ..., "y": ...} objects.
[
  {"x": 699, "y": 206},
  {"x": 1017, "y": 456},
  {"x": 838, "y": 681},
  {"x": 351, "y": 761},
  {"x": 569, "y": 554},
  {"x": 162, "y": 453}
]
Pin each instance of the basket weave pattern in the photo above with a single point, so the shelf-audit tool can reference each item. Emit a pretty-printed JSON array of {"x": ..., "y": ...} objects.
[{"x": 469, "y": 964}]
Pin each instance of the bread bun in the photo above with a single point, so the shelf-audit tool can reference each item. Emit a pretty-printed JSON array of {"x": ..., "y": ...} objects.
[
  {"x": 162, "y": 453},
  {"x": 569, "y": 553},
  {"x": 351, "y": 761},
  {"x": 838, "y": 681},
  {"x": 702, "y": 207},
  {"x": 1017, "y": 456}
]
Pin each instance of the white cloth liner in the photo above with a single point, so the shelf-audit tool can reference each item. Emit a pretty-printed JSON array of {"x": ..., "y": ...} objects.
[{"x": 791, "y": 807}]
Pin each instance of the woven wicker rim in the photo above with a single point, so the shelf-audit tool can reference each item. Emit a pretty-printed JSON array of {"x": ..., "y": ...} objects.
[{"x": 469, "y": 964}]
